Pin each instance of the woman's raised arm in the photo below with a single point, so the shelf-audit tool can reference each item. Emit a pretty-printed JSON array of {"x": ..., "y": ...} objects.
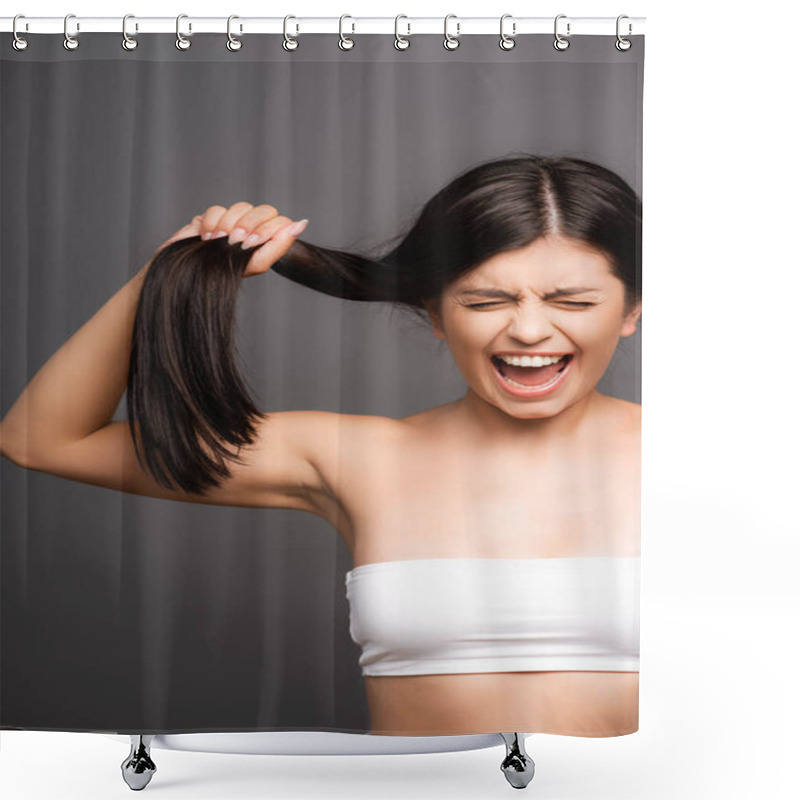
[
  {"x": 280, "y": 470},
  {"x": 61, "y": 423}
]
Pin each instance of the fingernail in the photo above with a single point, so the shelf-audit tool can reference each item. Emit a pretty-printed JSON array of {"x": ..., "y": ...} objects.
[
  {"x": 207, "y": 235},
  {"x": 297, "y": 228},
  {"x": 220, "y": 234},
  {"x": 237, "y": 234},
  {"x": 250, "y": 241}
]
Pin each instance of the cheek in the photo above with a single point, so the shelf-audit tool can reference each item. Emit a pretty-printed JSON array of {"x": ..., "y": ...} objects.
[
  {"x": 473, "y": 335},
  {"x": 595, "y": 332}
]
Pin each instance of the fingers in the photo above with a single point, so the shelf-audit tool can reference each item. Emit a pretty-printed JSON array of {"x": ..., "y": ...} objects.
[
  {"x": 253, "y": 226},
  {"x": 220, "y": 221},
  {"x": 264, "y": 231},
  {"x": 193, "y": 228},
  {"x": 210, "y": 218},
  {"x": 196, "y": 225},
  {"x": 225, "y": 222},
  {"x": 279, "y": 240},
  {"x": 251, "y": 221}
]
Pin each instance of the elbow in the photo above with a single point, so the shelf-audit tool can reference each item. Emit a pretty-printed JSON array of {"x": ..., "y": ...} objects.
[{"x": 10, "y": 448}]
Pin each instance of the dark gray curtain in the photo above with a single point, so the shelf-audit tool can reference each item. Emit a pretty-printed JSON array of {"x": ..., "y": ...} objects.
[{"x": 131, "y": 614}]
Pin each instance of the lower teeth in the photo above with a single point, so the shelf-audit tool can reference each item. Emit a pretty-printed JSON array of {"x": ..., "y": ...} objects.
[{"x": 525, "y": 386}]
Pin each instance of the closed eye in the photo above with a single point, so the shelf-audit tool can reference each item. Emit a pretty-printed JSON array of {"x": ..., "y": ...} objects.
[{"x": 563, "y": 302}]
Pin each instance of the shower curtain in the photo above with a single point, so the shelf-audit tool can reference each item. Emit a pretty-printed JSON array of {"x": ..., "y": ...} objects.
[{"x": 440, "y": 487}]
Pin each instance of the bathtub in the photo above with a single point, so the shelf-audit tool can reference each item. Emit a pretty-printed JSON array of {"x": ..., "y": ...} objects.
[{"x": 138, "y": 768}]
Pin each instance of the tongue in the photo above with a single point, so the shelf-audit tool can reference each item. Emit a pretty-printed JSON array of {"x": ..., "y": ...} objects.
[{"x": 531, "y": 376}]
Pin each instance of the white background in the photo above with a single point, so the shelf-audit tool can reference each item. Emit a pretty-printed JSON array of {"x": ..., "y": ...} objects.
[{"x": 720, "y": 534}]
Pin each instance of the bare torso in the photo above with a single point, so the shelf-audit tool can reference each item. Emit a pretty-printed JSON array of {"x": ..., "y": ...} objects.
[{"x": 419, "y": 487}]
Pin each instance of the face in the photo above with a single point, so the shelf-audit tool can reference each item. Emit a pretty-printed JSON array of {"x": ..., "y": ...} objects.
[{"x": 513, "y": 304}]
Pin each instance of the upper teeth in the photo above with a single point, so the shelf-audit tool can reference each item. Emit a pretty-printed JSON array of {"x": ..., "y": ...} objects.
[{"x": 531, "y": 361}]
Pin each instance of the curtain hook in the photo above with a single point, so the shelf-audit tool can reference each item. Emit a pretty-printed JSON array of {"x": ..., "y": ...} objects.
[
  {"x": 623, "y": 44},
  {"x": 19, "y": 43},
  {"x": 128, "y": 42},
  {"x": 507, "y": 42},
  {"x": 182, "y": 43},
  {"x": 560, "y": 42},
  {"x": 344, "y": 42},
  {"x": 70, "y": 42},
  {"x": 400, "y": 42},
  {"x": 233, "y": 44},
  {"x": 451, "y": 42},
  {"x": 289, "y": 42}
]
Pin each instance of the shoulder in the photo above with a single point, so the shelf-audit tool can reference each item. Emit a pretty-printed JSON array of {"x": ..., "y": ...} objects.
[
  {"x": 626, "y": 432},
  {"x": 325, "y": 456},
  {"x": 623, "y": 412},
  {"x": 331, "y": 438},
  {"x": 347, "y": 451},
  {"x": 314, "y": 422},
  {"x": 429, "y": 417},
  {"x": 631, "y": 413},
  {"x": 619, "y": 425}
]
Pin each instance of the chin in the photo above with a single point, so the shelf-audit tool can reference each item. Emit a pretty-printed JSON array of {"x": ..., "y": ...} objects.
[
  {"x": 517, "y": 409},
  {"x": 538, "y": 413}
]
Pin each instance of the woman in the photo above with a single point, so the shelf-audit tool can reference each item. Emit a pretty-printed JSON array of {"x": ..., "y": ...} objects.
[{"x": 531, "y": 469}]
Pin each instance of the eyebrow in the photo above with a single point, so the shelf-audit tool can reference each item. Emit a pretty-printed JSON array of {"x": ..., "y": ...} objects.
[{"x": 569, "y": 290}]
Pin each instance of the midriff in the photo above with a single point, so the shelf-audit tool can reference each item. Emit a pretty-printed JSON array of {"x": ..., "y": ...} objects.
[{"x": 569, "y": 703}]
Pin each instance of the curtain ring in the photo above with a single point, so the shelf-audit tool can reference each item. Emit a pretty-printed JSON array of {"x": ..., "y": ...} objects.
[
  {"x": 128, "y": 42},
  {"x": 182, "y": 43},
  {"x": 623, "y": 44},
  {"x": 289, "y": 42},
  {"x": 19, "y": 43},
  {"x": 507, "y": 42},
  {"x": 451, "y": 42},
  {"x": 400, "y": 42},
  {"x": 233, "y": 44},
  {"x": 560, "y": 42},
  {"x": 344, "y": 42},
  {"x": 70, "y": 42}
]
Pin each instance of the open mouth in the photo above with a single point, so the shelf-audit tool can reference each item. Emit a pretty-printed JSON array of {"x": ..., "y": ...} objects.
[{"x": 525, "y": 377}]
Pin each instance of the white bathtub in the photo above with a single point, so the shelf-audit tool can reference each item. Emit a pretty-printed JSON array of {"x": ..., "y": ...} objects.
[
  {"x": 139, "y": 767},
  {"x": 320, "y": 743}
]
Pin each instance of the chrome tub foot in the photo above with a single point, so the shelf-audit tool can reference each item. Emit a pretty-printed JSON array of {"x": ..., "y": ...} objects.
[
  {"x": 517, "y": 766},
  {"x": 138, "y": 768}
]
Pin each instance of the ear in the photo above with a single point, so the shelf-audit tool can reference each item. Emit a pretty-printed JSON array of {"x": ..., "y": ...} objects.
[
  {"x": 630, "y": 320},
  {"x": 435, "y": 317}
]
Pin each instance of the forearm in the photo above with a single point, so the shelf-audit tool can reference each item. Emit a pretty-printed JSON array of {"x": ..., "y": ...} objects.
[{"x": 79, "y": 387}]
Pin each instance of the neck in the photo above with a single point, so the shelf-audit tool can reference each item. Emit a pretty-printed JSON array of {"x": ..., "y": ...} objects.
[{"x": 496, "y": 425}]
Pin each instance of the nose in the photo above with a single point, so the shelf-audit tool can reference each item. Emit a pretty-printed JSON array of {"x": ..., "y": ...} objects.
[{"x": 530, "y": 324}]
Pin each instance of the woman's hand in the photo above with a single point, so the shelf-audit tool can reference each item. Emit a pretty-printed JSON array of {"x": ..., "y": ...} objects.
[{"x": 239, "y": 223}]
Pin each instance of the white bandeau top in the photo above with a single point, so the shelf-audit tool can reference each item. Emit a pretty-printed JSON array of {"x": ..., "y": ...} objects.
[{"x": 447, "y": 615}]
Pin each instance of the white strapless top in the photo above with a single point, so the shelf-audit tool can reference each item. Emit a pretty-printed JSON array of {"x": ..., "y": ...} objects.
[{"x": 452, "y": 615}]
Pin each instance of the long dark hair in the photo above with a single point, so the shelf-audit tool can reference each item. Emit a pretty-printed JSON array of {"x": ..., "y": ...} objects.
[{"x": 187, "y": 400}]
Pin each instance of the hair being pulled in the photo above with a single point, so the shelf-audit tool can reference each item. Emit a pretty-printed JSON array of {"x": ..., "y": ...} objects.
[{"x": 190, "y": 409}]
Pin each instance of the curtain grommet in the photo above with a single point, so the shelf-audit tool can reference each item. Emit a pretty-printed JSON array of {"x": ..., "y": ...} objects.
[
  {"x": 290, "y": 43},
  {"x": 344, "y": 42},
  {"x": 622, "y": 44},
  {"x": 233, "y": 44},
  {"x": 182, "y": 43},
  {"x": 451, "y": 42},
  {"x": 19, "y": 43},
  {"x": 70, "y": 42},
  {"x": 560, "y": 43},
  {"x": 400, "y": 42},
  {"x": 507, "y": 42},
  {"x": 128, "y": 42}
]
